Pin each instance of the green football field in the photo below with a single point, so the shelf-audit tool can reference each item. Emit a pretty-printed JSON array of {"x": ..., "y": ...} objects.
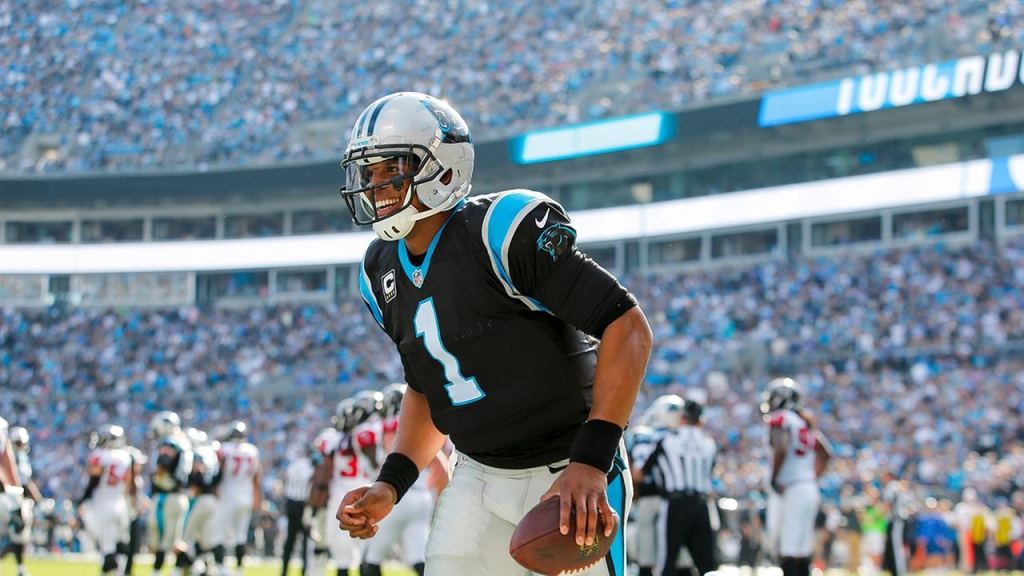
[
  {"x": 80, "y": 567},
  {"x": 77, "y": 566}
]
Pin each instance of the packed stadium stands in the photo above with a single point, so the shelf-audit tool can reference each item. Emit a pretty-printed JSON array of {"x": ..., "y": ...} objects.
[
  {"x": 925, "y": 325},
  {"x": 904, "y": 321},
  {"x": 109, "y": 86}
]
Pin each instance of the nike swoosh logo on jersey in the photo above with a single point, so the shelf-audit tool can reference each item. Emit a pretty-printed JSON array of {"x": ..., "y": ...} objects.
[
  {"x": 554, "y": 469},
  {"x": 542, "y": 221}
]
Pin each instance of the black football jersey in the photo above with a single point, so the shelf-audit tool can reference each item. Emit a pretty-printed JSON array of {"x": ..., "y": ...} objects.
[{"x": 478, "y": 322}]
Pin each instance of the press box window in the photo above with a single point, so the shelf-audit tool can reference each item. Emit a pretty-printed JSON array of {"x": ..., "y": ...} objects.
[
  {"x": 301, "y": 281},
  {"x": 112, "y": 230},
  {"x": 38, "y": 232},
  {"x": 1015, "y": 212},
  {"x": 254, "y": 225},
  {"x": 744, "y": 243},
  {"x": 929, "y": 223},
  {"x": 674, "y": 251},
  {"x": 201, "y": 228},
  {"x": 320, "y": 221},
  {"x": 845, "y": 232}
]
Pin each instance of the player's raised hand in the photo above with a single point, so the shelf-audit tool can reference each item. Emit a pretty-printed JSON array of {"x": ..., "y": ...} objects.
[
  {"x": 361, "y": 509},
  {"x": 582, "y": 490}
]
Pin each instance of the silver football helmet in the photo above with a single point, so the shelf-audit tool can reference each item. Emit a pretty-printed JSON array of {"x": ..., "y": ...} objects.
[
  {"x": 107, "y": 436},
  {"x": 164, "y": 424},
  {"x": 781, "y": 394},
  {"x": 664, "y": 413},
  {"x": 432, "y": 149}
]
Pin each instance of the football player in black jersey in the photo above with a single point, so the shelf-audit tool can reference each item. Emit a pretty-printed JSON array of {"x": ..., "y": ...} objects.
[{"x": 522, "y": 350}]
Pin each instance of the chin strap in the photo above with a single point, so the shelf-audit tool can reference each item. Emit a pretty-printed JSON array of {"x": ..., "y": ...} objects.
[{"x": 399, "y": 224}]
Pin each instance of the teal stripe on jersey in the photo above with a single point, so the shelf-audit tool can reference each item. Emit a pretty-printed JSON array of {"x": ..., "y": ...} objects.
[
  {"x": 500, "y": 225},
  {"x": 617, "y": 500}
]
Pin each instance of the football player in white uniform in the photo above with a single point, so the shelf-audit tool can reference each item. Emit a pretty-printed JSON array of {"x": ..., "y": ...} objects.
[
  {"x": 202, "y": 529},
  {"x": 11, "y": 491},
  {"x": 137, "y": 526},
  {"x": 18, "y": 538},
  {"x": 660, "y": 417},
  {"x": 105, "y": 504},
  {"x": 409, "y": 521},
  {"x": 349, "y": 458},
  {"x": 240, "y": 492},
  {"x": 797, "y": 454},
  {"x": 173, "y": 464}
]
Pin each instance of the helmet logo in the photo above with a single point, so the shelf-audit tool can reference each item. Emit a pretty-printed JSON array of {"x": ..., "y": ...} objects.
[{"x": 453, "y": 127}]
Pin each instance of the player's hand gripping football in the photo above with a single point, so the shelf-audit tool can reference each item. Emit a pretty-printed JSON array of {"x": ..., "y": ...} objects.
[
  {"x": 584, "y": 488},
  {"x": 361, "y": 509}
]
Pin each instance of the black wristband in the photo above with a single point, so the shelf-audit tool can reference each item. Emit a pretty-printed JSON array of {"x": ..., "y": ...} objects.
[
  {"x": 400, "y": 472},
  {"x": 596, "y": 444}
]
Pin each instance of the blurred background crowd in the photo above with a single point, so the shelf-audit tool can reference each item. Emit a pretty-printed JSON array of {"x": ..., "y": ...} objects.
[
  {"x": 178, "y": 85},
  {"x": 913, "y": 356}
]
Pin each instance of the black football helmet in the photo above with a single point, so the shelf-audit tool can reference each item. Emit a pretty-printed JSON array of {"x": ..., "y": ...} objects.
[
  {"x": 341, "y": 411},
  {"x": 693, "y": 410},
  {"x": 781, "y": 394},
  {"x": 365, "y": 404},
  {"x": 393, "y": 395}
]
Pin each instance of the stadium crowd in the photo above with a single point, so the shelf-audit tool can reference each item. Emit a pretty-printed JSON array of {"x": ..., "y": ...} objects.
[
  {"x": 874, "y": 338},
  {"x": 180, "y": 85}
]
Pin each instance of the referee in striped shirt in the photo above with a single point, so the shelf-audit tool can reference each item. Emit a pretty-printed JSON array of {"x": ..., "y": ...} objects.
[
  {"x": 297, "y": 478},
  {"x": 681, "y": 466}
]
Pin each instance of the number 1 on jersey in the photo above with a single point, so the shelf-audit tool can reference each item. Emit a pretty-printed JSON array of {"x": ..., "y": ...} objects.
[{"x": 461, "y": 390}]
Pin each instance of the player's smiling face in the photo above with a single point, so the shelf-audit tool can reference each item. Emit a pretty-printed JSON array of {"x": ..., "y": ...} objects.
[{"x": 389, "y": 182}]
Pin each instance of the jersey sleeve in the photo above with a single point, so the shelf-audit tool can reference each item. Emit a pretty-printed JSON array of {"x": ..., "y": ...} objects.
[
  {"x": 532, "y": 246},
  {"x": 366, "y": 438},
  {"x": 369, "y": 298}
]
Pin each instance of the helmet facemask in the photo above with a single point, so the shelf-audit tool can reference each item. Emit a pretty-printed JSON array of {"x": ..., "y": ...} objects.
[
  {"x": 435, "y": 139},
  {"x": 369, "y": 202}
]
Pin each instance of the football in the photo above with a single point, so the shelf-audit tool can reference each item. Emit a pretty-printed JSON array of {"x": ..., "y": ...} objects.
[{"x": 538, "y": 545}]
